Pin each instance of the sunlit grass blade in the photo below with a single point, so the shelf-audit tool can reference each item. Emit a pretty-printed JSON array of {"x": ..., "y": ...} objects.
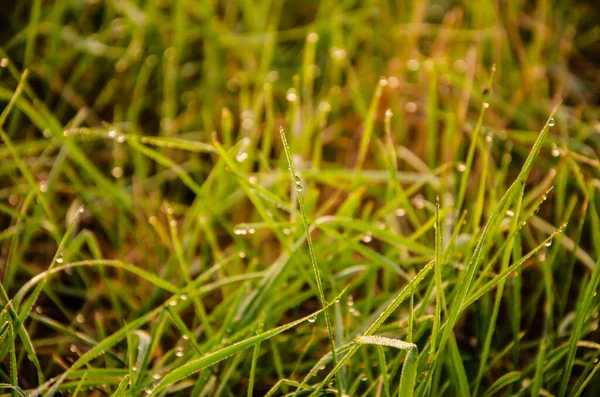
[{"x": 313, "y": 257}]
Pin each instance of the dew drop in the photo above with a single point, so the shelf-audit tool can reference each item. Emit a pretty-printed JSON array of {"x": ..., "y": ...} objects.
[
  {"x": 241, "y": 157},
  {"x": 117, "y": 172},
  {"x": 291, "y": 95},
  {"x": 551, "y": 122},
  {"x": 185, "y": 337},
  {"x": 148, "y": 391},
  {"x": 287, "y": 231},
  {"x": 240, "y": 230},
  {"x": 242, "y": 254},
  {"x": 121, "y": 138},
  {"x": 299, "y": 187},
  {"x": 367, "y": 238},
  {"x": 112, "y": 134},
  {"x": 412, "y": 65},
  {"x": 13, "y": 199},
  {"x": 337, "y": 300},
  {"x": 297, "y": 178},
  {"x": 461, "y": 167},
  {"x": 60, "y": 259},
  {"x": 410, "y": 107},
  {"x": 80, "y": 318},
  {"x": 134, "y": 368},
  {"x": 156, "y": 376},
  {"x": 510, "y": 213},
  {"x": 179, "y": 354},
  {"x": 388, "y": 114},
  {"x": 486, "y": 105},
  {"x": 183, "y": 297},
  {"x": 419, "y": 201},
  {"x": 312, "y": 37},
  {"x": 173, "y": 302},
  {"x": 3, "y": 62},
  {"x": 312, "y": 319},
  {"x": 548, "y": 243},
  {"x": 338, "y": 54},
  {"x": 400, "y": 212}
]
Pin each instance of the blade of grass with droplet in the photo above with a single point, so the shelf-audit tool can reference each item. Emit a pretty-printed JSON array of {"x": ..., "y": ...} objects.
[
  {"x": 473, "y": 265},
  {"x": 183, "y": 329},
  {"x": 311, "y": 250}
]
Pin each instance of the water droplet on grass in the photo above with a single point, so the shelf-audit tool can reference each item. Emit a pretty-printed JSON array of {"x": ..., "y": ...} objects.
[
  {"x": 461, "y": 167},
  {"x": 240, "y": 230},
  {"x": 367, "y": 238},
  {"x": 412, "y": 65},
  {"x": 486, "y": 105},
  {"x": 548, "y": 243},
  {"x": 241, "y": 157},
  {"x": 183, "y": 297},
  {"x": 400, "y": 212},
  {"x": 117, "y": 172},
  {"x": 551, "y": 122},
  {"x": 312, "y": 319},
  {"x": 291, "y": 95}
]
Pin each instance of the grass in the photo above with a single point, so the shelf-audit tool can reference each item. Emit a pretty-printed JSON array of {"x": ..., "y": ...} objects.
[{"x": 225, "y": 198}]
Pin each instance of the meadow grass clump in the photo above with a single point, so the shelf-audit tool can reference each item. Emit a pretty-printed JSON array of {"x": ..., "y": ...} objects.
[{"x": 266, "y": 198}]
